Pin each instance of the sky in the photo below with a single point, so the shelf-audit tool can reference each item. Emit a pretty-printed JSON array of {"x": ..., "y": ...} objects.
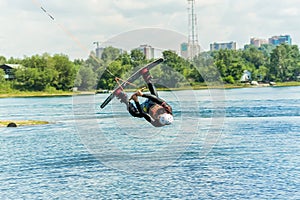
[{"x": 27, "y": 30}]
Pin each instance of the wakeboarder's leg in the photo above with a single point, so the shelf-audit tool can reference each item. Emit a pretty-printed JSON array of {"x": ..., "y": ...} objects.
[{"x": 147, "y": 78}]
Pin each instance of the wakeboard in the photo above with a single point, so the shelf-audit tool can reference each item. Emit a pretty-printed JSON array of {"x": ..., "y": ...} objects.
[{"x": 131, "y": 79}]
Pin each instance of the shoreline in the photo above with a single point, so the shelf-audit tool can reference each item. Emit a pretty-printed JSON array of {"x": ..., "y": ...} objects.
[
  {"x": 195, "y": 87},
  {"x": 42, "y": 94}
]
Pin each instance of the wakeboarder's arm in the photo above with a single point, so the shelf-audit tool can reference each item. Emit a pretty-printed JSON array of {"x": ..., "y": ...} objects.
[{"x": 152, "y": 97}]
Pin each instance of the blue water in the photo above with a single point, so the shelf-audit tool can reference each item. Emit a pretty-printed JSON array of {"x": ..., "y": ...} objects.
[{"x": 244, "y": 144}]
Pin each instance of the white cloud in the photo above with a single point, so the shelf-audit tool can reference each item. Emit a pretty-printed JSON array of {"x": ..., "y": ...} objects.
[
  {"x": 130, "y": 4},
  {"x": 292, "y": 12},
  {"x": 27, "y": 30}
]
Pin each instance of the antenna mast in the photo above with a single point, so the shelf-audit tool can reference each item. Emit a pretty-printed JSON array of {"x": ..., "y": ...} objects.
[{"x": 194, "y": 47}]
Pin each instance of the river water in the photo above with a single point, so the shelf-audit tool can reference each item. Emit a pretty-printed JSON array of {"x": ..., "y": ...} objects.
[{"x": 232, "y": 144}]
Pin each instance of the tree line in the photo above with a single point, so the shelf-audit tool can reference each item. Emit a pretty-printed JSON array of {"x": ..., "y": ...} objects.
[
  {"x": 52, "y": 73},
  {"x": 267, "y": 63},
  {"x": 40, "y": 73}
]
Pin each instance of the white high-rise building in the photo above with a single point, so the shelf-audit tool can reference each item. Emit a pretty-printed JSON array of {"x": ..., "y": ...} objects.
[
  {"x": 147, "y": 50},
  {"x": 189, "y": 51},
  {"x": 258, "y": 42}
]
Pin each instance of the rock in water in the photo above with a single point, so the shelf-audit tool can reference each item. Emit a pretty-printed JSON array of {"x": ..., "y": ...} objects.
[{"x": 12, "y": 124}]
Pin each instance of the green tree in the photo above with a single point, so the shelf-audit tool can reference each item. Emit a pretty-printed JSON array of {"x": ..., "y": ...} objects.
[
  {"x": 109, "y": 54},
  {"x": 107, "y": 80},
  {"x": 12, "y": 60},
  {"x": 86, "y": 78},
  {"x": 5, "y": 85},
  {"x": 254, "y": 56},
  {"x": 65, "y": 72},
  {"x": 43, "y": 72},
  {"x": 262, "y": 73},
  {"x": 95, "y": 62},
  {"x": 296, "y": 72},
  {"x": 30, "y": 79},
  {"x": 36, "y": 75},
  {"x": 2, "y": 77},
  {"x": 125, "y": 58},
  {"x": 174, "y": 68},
  {"x": 138, "y": 58},
  {"x": 205, "y": 69},
  {"x": 230, "y": 64},
  {"x": 283, "y": 62},
  {"x": 2, "y": 60},
  {"x": 267, "y": 49},
  {"x": 36, "y": 61}
]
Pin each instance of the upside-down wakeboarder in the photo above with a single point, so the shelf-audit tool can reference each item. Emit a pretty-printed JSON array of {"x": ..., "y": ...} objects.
[{"x": 155, "y": 110}]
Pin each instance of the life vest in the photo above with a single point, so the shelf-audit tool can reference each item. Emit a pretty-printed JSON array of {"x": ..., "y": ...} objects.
[{"x": 156, "y": 110}]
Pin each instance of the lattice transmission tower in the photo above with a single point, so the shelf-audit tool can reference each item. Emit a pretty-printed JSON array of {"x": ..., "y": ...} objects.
[{"x": 193, "y": 45}]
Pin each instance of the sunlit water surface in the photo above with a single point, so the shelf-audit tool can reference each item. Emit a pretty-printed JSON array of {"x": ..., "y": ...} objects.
[{"x": 255, "y": 154}]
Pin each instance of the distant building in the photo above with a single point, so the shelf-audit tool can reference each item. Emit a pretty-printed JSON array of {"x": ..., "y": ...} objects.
[
  {"x": 274, "y": 40},
  {"x": 9, "y": 69},
  {"x": 184, "y": 50},
  {"x": 225, "y": 45},
  {"x": 99, "y": 51},
  {"x": 189, "y": 51},
  {"x": 282, "y": 39},
  {"x": 258, "y": 42},
  {"x": 147, "y": 50}
]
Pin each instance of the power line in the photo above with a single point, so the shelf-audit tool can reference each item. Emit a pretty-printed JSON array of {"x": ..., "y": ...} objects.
[{"x": 67, "y": 32}]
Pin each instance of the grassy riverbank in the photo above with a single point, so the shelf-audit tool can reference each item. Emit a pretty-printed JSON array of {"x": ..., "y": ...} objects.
[
  {"x": 40, "y": 94},
  {"x": 16, "y": 93},
  {"x": 240, "y": 85},
  {"x": 287, "y": 84}
]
